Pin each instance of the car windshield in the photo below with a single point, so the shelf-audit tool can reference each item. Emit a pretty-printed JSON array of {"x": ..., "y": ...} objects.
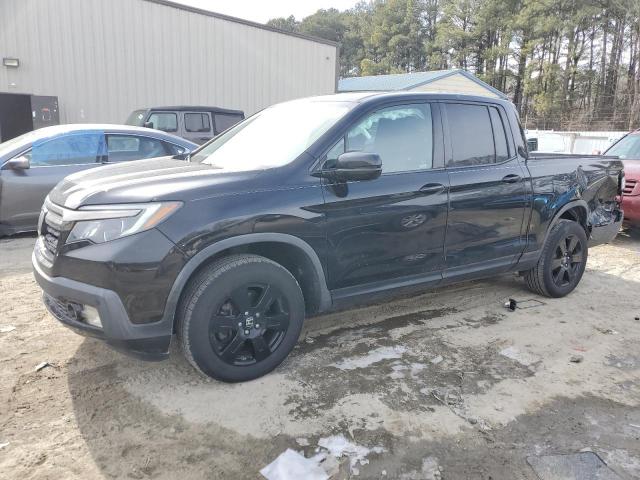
[
  {"x": 627, "y": 148},
  {"x": 136, "y": 118},
  {"x": 273, "y": 137}
]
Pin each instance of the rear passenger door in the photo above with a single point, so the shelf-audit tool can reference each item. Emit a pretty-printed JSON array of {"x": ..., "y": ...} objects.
[
  {"x": 198, "y": 127},
  {"x": 487, "y": 197}
]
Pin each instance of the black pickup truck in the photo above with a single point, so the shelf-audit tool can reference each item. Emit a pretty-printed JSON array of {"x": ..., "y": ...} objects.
[{"x": 313, "y": 205}]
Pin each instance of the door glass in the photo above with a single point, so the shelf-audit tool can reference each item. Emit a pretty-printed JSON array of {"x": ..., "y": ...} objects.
[
  {"x": 224, "y": 121},
  {"x": 123, "y": 148},
  {"x": 165, "y": 121},
  {"x": 72, "y": 149},
  {"x": 471, "y": 135},
  {"x": 197, "y": 122},
  {"x": 401, "y": 135},
  {"x": 500, "y": 137}
]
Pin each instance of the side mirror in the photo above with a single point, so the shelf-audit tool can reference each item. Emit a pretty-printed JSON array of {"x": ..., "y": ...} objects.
[
  {"x": 19, "y": 163},
  {"x": 148, "y": 125},
  {"x": 357, "y": 166}
]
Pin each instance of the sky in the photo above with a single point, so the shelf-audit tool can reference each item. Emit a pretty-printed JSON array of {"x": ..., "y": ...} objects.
[{"x": 263, "y": 10}]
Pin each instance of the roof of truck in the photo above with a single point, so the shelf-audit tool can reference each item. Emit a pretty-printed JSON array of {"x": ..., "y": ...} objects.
[{"x": 195, "y": 108}]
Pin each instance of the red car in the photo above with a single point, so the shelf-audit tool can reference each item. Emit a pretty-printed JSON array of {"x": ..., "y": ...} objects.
[{"x": 628, "y": 149}]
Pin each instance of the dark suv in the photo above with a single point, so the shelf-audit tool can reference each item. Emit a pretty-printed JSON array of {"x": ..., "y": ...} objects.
[
  {"x": 311, "y": 205},
  {"x": 196, "y": 124}
]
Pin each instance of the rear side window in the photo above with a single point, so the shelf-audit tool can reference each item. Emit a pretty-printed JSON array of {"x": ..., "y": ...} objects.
[
  {"x": 471, "y": 134},
  {"x": 71, "y": 149},
  {"x": 499, "y": 135},
  {"x": 123, "y": 148},
  {"x": 165, "y": 121},
  {"x": 197, "y": 122},
  {"x": 224, "y": 121}
]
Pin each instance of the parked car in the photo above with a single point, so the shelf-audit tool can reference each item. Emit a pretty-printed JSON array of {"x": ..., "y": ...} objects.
[
  {"x": 628, "y": 150},
  {"x": 311, "y": 205},
  {"x": 197, "y": 124},
  {"x": 33, "y": 163}
]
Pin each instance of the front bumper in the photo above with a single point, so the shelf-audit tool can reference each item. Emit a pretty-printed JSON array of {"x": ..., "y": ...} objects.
[
  {"x": 631, "y": 205},
  {"x": 148, "y": 341}
]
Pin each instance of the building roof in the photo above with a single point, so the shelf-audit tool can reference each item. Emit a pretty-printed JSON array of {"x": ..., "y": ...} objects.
[
  {"x": 249, "y": 23},
  {"x": 406, "y": 81}
]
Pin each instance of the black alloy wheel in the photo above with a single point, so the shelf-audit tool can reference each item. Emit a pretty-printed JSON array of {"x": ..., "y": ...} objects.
[
  {"x": 567, "y": 261},
  {"x": 240, "y": 317},
  {"x": 249, "y": 324}
]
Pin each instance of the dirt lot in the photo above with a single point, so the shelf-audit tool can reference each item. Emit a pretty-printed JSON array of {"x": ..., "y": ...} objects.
[{"x": 421, "y": 382}]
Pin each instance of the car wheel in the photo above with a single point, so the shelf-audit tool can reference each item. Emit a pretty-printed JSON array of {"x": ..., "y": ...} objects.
[
  {"x": 240, "y": 318},
  {"x": 562, "y": 262}
]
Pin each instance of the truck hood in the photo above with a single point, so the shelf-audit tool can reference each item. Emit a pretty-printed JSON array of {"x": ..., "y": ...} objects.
[{"x": 145, "y": 181}]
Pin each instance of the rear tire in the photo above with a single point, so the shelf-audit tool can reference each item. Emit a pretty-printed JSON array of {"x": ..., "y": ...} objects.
[
  {"x": 562, "y": 262},
  {"x": 240, "y": 318}
]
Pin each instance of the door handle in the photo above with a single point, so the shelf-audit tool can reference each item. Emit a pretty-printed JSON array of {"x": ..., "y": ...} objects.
[
  {"x": 431, "y": 188},
  {"x": 513, "y": 178}
]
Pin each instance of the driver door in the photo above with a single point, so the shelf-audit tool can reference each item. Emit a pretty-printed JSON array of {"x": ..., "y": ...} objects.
[{"x": 390, "y": 229}]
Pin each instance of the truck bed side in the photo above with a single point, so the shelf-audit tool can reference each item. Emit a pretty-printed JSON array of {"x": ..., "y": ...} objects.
[{"x": 580, "y": 187}]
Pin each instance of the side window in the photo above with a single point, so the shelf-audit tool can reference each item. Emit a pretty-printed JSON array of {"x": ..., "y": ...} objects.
[
  {"x": 401, "y": 135},
  {"x": 123, "y": 148},
  {"x": 224, "y": 121},
  {"x": 71, "y": 149},
  {"x": 499, "y": 135},
  {"x": 197, "y": 122},
  {"x": 165, "y": 121},
  {"x": 471, "y": 135}
]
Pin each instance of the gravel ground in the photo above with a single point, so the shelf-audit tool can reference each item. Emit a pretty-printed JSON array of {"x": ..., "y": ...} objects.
[{"x": 443, "y": 385}]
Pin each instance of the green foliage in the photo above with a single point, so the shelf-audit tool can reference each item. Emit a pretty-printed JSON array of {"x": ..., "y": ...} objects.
[{"x": 565, "y": 63}]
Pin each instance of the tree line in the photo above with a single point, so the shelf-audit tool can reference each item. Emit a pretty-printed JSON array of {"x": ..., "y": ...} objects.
[{"x": 566, "y": 64}]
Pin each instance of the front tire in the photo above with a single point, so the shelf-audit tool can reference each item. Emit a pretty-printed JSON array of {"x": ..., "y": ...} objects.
[
  {"x": 562, "y": 262},
  {"x": 240, "y": 318}
]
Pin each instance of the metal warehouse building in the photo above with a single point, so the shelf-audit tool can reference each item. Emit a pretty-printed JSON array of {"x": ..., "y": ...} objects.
[{"x": 97, "y": 60}]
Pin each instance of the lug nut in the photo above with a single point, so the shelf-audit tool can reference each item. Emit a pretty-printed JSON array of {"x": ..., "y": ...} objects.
[
  {"x": 257, "y": 325},
  {"x": 257, "y": 314},
  {"x": 247, "y": 332},
  {"x": 239, "y": 324}
]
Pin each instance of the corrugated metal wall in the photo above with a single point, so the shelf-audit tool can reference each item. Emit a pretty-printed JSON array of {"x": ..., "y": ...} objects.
[{"x": 105, "y": 58}]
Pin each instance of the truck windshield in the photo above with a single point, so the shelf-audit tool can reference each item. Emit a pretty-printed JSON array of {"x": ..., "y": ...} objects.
[
  {"x": 273, "y": 137},
  {"x": 627, "y": 148},
  {"x": 136, "y": 118}
]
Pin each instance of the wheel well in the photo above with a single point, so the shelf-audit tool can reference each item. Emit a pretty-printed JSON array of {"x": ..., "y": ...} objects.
[
  {"x": 295, "y": 260},
  {"x": 577, "y": 214}
]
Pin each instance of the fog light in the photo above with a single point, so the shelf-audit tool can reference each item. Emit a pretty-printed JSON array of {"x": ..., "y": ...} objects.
[{"x": 91, "y": 316}]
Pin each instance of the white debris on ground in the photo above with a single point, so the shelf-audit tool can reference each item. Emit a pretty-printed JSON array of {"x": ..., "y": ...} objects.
[
  {"x": 522, "y": 358},
  {"x": 290, "y": 465},
  {"x": 437, "y": 360},
  {"x": 7, "y": 328},
  {"x": 338, "y": 446},
  {"x": 374, "y": 356}
]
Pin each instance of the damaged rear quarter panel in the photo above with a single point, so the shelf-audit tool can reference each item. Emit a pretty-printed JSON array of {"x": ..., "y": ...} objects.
[{"x": 559, "y": 179}]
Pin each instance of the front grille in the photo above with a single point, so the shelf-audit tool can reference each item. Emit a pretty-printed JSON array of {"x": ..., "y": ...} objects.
[
  {"x": 51, "y": 228},
  {"x": 629, "y": 186}
]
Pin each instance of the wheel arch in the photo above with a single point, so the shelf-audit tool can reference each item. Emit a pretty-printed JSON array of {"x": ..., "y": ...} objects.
[
  {"x": 291, "y": 252},
  {"x": 575, "y": 210}
]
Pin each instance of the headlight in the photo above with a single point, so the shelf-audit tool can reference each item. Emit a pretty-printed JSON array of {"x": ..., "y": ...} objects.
[{"x": 103, "y": 223}]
